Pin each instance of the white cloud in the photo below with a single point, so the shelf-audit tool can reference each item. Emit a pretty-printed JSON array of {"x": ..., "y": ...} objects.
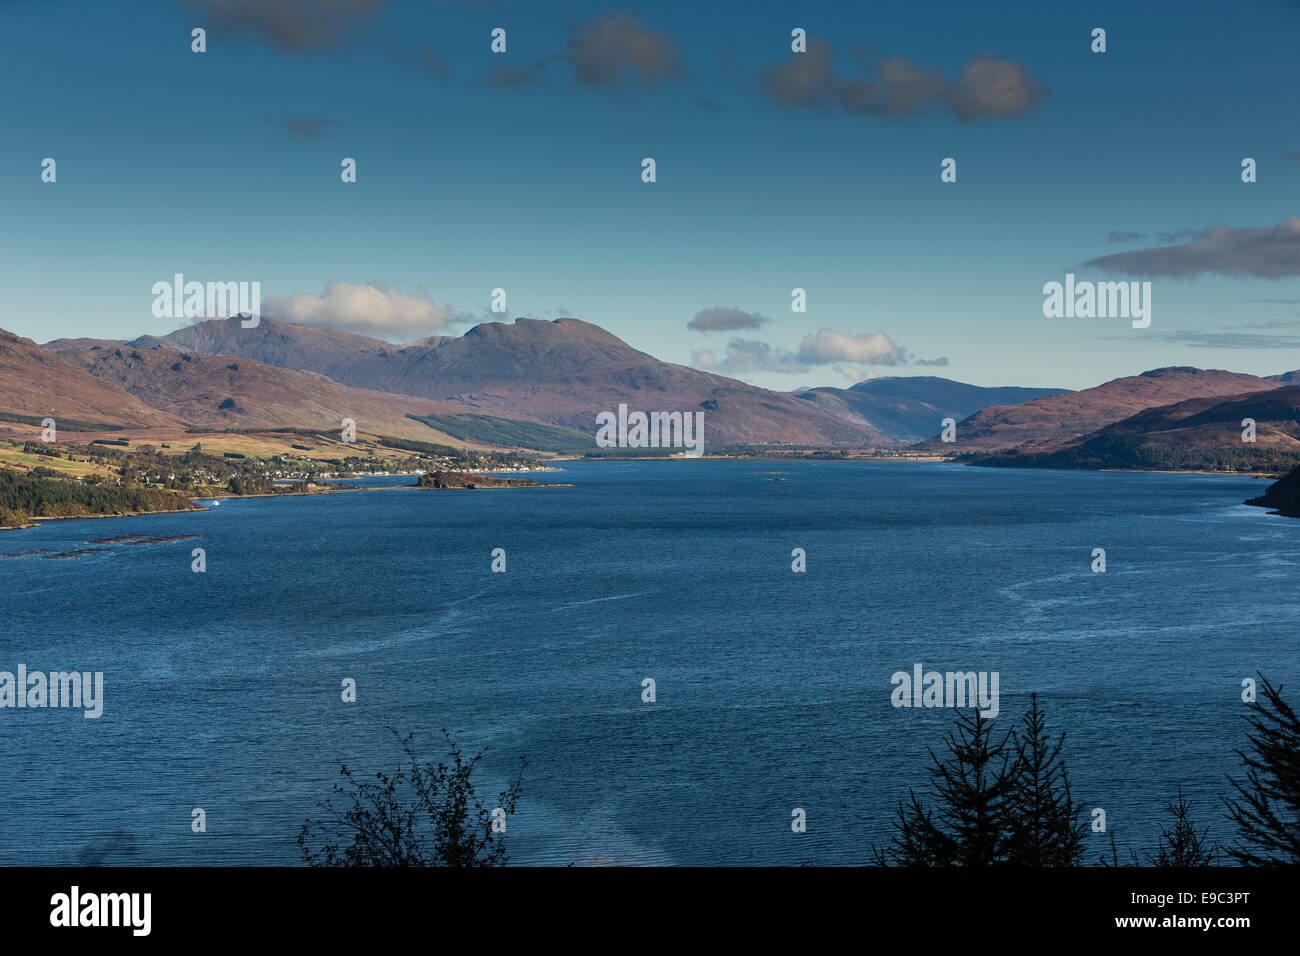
[
  {"x": 370, "y": 309},
  {"x": 748, "y": 355},
  {"x": 831, "y": 345}
]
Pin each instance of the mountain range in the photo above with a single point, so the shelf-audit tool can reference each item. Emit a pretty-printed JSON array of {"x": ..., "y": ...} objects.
[
  {"x": 540, "y": 384},
  {"x": 561, "y": 373},
  {"x": 558, "y": 374}
]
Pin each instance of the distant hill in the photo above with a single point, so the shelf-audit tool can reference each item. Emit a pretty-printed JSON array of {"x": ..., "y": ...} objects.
[
  {"x": 949, "y": 396},
  {"x": 912, "y": 407},
  {"x": 1200, "y": 433},
  {"x": 1066, "y": 416},
  {"x": 562, "y": 372},
  {"x": 1286, "y": 378},
  {"x": 35, "y": 384},
  {"x": 1283, "y": 495}
]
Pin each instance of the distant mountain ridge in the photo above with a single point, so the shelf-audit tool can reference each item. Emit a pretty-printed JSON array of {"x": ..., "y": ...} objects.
[
  {"x": 1066, "y": 416},
  {"x": 1199, "y": 433},
  {"x": 913, "y": 407},
  {"x": 564, "y": 371},
  {"x": 950, "y": 394},
  {"x": 545, "y": 381}
]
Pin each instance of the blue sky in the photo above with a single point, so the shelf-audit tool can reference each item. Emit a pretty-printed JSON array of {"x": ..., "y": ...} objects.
[{"x": 225, "y": 166}]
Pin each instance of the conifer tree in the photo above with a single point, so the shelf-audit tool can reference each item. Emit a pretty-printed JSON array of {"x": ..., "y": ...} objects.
[
  {"x": 1266, "y": 807},
  {"x": 917, "y": 841},
  {"x": 1045, "y": 825},
  {"x": 1182, "y": 845},
  {"x": 969, "y": 826}
]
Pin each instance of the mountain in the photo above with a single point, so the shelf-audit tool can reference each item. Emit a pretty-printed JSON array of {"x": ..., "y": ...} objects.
[
  {"x": 302, "y": 348},
  {"x": 952, "y": 398},
  {"x": 1283, "y": 495},
  {"x": 1200, "y": 433},
  {"x": 1066, "y": 416},
  {"x": 1286, "y": 378},
  {"x": 912, "y": 407},
  {"x": 222, "y": 393},
  {"x": 35, "y": 385},
  {"x": 562, "y": 373}
]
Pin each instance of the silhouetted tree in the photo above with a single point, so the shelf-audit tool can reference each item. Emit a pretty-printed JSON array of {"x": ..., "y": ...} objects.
[
  {"x": 1114, "y": 855},
  {"x": 421, "y": 815},
  {"x": 917, "y": 841},
  {"x": 1045, "y": 825},
  {"x": 969, "y": 826},
  {"x": 1182, "y": 845},
  {"x": 1266, "y": 808}
]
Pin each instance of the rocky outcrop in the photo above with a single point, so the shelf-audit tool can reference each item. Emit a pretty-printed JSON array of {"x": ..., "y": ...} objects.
[
  {"x": 470, "y": 479},
  {"x": 1283, "y": 495}
]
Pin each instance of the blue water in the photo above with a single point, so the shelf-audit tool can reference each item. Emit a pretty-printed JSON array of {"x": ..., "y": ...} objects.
[{"x": 223, "y": 688}]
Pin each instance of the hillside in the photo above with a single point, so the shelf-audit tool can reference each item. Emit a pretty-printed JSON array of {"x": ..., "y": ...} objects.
[
  {"x": 35, "y": 384},
  {"x": 1283, "y": 495},
  {"x": 1200, "y": 433},
  {"x": 1066, "y": 416},
  {"x": 225, "y": 393}
]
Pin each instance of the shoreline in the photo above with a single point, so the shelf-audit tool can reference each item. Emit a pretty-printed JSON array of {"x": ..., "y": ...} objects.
[
  {"x": 933, "y": 460},
  {"x": 38, "y": 520},
  {"x": 329, "y": 490}
]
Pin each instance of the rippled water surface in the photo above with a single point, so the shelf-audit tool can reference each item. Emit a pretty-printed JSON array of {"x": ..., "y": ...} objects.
[{"x": 223, "y": 688}]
